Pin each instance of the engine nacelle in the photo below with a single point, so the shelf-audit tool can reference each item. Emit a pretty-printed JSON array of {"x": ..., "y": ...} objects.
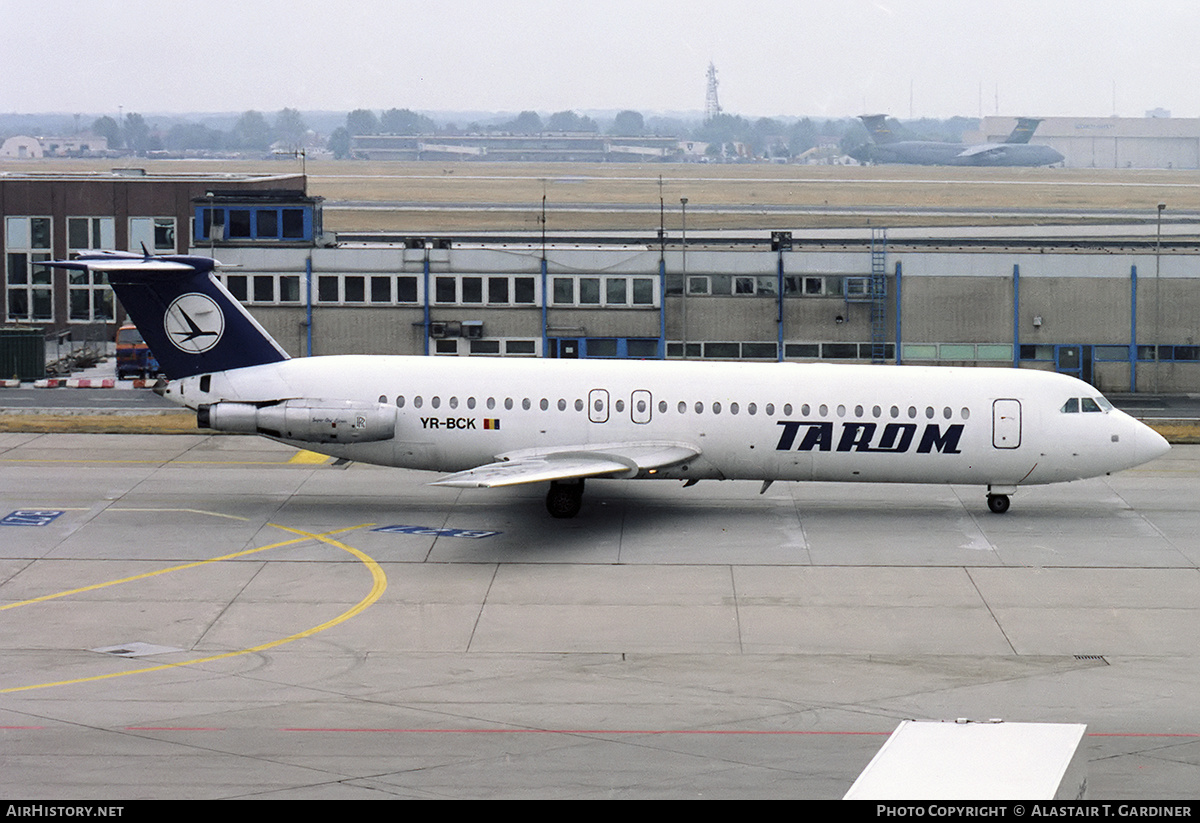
[{"x": 309, "y": 421}]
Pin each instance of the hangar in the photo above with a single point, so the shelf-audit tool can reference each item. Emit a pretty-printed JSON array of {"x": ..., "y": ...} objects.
[
  {"x": 1119, "y": 313},
  {"x": 1109, "y": 142}
]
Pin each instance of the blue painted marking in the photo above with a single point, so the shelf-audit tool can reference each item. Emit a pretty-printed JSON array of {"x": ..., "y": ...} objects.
[
  {"x": 473, "y": 534},
  {"x": 29, "y": 517}
]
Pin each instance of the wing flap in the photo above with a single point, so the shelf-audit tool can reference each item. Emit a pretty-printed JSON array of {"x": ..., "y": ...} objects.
[{"x": 572, "y": 463}]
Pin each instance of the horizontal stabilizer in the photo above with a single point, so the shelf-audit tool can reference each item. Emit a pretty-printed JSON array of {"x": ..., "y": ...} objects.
[{"x": 572, "y": 463}]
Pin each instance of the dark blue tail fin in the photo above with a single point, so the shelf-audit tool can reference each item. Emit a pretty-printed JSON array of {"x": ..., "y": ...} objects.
[{"x": 188, "y": 319}]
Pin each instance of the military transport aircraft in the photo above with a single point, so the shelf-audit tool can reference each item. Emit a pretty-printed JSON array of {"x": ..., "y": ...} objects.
[
  {"x": 490, "y": 422},
  {"x": 1016, "y": 150}
]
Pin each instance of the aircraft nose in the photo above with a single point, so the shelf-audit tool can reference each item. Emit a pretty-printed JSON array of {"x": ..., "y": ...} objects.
[{"x": 1148, "y": 444}]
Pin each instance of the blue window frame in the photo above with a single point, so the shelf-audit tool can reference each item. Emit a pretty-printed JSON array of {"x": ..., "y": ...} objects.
[{"x": 252, "y": 222}]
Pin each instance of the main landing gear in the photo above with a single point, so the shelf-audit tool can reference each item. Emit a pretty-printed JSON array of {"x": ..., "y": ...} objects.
[
  {"x": 997, "y": 497},
  {"x": 564, "y": 499}
]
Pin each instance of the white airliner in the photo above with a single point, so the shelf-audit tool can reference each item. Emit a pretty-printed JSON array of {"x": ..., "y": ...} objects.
[{"x": 501, "y": 422}]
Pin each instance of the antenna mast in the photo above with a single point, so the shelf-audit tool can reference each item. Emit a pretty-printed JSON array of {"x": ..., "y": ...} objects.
[{"x": 712, "y": 108}]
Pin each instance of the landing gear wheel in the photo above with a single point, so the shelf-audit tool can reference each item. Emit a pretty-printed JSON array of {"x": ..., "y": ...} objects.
[
  {"x": 998, "y": 503},
  {"x": 564, "y": 499}
]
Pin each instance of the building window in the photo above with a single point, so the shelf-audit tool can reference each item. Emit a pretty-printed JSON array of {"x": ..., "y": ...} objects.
[
  {"x": 254, "y": 223},
  {"x": 485, "y": 290},
  {"x": 89, "y": 297},
  {"x": 353, "y": 289},
  {"x": 26, "y": 242},
  {"x": 813, "y": 285},
  {"x": 88, "y": 233},
  {"x": 156, "y": 233},
  {"x": 617, "y": 292},
  {"x": 491, "y": 347}
]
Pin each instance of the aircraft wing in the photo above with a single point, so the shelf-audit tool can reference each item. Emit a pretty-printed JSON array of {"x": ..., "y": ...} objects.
[
  {"x": 982, "y": 148},
  {"x": 572, "y": 462}
]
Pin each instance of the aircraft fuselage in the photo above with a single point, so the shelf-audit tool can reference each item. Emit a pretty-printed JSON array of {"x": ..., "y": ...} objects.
[
  {"x": 776, "y": 421},
  {"x": 927, "y": 153}
]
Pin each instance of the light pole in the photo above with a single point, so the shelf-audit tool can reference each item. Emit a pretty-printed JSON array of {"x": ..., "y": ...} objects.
[
  {"x": 1157, "y": 293},
  {"x": 684, "y": 323}
]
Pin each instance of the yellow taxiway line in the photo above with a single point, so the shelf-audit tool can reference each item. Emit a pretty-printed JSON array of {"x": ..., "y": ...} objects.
[{"x": 379, "y": 585}]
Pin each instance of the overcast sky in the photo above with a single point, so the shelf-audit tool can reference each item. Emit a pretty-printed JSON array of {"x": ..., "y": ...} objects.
[{"x": 934, "y": 58}]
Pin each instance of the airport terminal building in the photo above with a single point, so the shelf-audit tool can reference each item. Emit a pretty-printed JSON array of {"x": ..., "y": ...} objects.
[{"x": 1119, "y": 313}]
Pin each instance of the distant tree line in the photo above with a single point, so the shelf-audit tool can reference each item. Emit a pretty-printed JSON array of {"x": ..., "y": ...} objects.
[
  {"x": 728, "y": 136},
  {"x": 251, "y": 132}
]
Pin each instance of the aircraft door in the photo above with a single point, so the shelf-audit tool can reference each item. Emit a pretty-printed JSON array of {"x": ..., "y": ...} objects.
[
  {"x": 640, "y": 406},
  {"x": 1006, "y": 424},
  {"x": 598, "y": 405}
]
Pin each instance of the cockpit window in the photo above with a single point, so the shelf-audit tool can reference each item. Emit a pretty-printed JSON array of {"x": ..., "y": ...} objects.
[{"x": 1086, "y": 404}]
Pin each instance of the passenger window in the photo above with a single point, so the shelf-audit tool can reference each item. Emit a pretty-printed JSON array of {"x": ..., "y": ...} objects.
[
  {"x": 491, "y": 402},
  {"x": 946, "y": 413},
  {"x": 417, "y": 401},
  {"x": 682, "y": 407},
  {"x": 733, "y": 408},
  {"x": 435, "y": 401},
  {"x": 454, "y": 402},
  {"x": 752, "y": 409},
  {"x": 545, "y": 404},
  {"x": 508, "y": 403},
  {"x": 1071, "y": 406},
  {"x": 876, "y": 411},
  {"x": 699, "y": 407},
  {"x": 400, "y": 401},
  {"x": 525, "y": 404},
  {"x": 966, "y": 413},
  {"x": 824, "y": 410},
  {"x": 769, "y": 408},
  {"x": 841, "y": 410},
  {"x": 787, "y": 409},
  {"x": 716, "y": 408},
  {"x": 858, "y": 411},
  {"x": 662, "y": 406},
  {"x": 470, "y": 402},
  {"x": 1087, "y": 404},
  {"x": 805, "y": 409},
  {"x": 382, "y": 398},
  {"x": 562, "y": 404},
  {"x": 579, "y": 404}
]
